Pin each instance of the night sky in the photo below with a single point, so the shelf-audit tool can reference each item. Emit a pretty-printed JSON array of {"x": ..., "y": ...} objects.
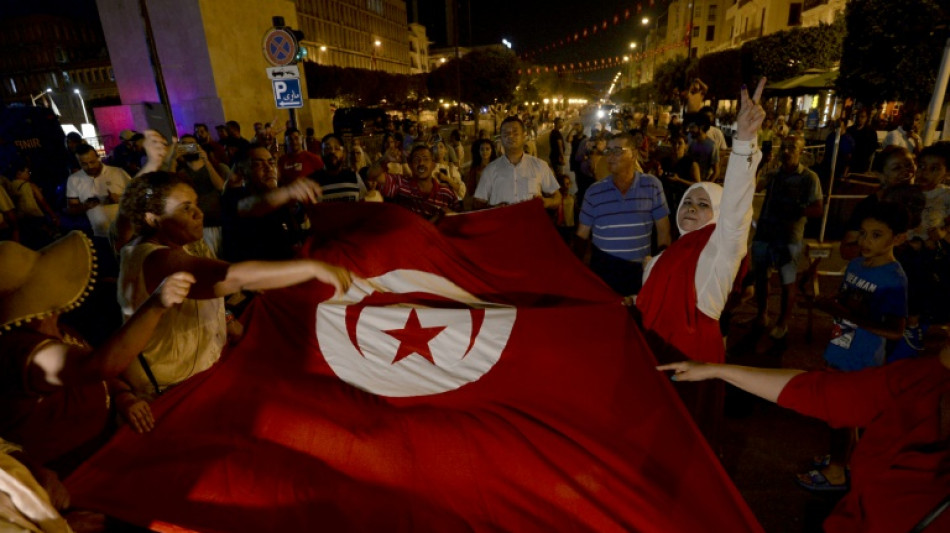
[
  {"x": 529, "y": 24},
  {"x": 532, "y": 24}
]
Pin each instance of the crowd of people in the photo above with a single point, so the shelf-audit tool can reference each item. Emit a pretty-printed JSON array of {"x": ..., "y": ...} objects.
[{"x": 189, "y": 230}]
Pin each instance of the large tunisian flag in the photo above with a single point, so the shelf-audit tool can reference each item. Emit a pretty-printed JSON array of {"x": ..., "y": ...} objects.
[{"x": 477, "y": 378}]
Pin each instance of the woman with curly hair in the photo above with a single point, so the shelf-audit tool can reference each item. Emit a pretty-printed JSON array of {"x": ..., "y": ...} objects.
[{"x": 167, "y": 228}]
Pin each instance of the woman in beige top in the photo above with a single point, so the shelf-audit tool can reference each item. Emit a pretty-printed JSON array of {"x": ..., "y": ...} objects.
[{"x": 167, "y": 225}]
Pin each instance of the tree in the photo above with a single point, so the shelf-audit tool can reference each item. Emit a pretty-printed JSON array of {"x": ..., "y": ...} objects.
[
  {"x": 718, "y": 71},
  {"x": 483, "y": 77},
  {"x": 631, "y": 95},
  {"x": 790, "y": 53},
  {"x": 360, "y": 86},
  {"x": 486, "y": 76},
  {"x": 671, "y": 79},
  {"x": 893, "y": 50}
]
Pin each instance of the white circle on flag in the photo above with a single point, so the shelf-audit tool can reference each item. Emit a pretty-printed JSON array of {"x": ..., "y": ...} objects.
[{"x": 404, "y": 350}]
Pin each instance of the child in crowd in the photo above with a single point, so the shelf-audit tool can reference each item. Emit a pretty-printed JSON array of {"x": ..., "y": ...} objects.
[
  {"x": 919, "y": 255},
  {"x": 870, "y": 307}
]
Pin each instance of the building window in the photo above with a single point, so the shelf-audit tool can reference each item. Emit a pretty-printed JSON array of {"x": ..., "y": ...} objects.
[
  {"x": 695, "y": 32},
  {"x": 711, "y": 16},
  {"x": 710, "y": 33},
  {"x": 795, "y": 14}
]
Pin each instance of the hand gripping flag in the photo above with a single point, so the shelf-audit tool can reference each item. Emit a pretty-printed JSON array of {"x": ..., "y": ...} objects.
[{"x": 476, "y": 378}]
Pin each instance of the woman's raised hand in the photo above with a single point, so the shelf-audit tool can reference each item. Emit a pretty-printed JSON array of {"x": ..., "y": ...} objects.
[
  {"x": 751, "y": 113},
  {"x": 174, "y": 289}
]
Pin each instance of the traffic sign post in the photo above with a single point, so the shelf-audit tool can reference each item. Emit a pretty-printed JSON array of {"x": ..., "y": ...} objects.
[
  {"x": 282, "y": 50},
  {"x": 283, "y": 73},
  {"x": 287, "y": 93}
]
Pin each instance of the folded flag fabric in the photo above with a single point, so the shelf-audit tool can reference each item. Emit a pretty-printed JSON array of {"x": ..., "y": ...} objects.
[{"x": 477, "y": 377}]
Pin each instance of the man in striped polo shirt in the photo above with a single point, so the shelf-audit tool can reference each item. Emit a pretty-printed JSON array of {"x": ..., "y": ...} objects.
[
  {"x": 339, "y": 184},
  {"x": 421, "y": 192},
  {"x": 618, "y": 216}
]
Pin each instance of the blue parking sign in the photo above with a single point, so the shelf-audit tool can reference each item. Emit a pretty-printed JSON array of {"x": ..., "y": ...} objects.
[{"x": 287, "y": 93}]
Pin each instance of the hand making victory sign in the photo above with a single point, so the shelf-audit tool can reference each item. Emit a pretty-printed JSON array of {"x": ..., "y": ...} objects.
[{"x": 751, "y": 113}]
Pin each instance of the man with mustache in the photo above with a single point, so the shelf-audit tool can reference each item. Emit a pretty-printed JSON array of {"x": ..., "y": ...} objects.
[{"x": 421, "y": 192}]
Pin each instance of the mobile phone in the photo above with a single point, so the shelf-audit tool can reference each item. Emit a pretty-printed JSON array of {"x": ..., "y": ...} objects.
[{"x": 189, "y": 148}]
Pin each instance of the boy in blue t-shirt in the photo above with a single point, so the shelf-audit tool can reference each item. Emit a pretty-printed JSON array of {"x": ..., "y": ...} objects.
[
  {"x": 870, "y": 308},
  {"x": 871, "y": 305}
]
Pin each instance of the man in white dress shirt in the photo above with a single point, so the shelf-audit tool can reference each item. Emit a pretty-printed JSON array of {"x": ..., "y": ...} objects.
[{"x": 518, "y": 176}]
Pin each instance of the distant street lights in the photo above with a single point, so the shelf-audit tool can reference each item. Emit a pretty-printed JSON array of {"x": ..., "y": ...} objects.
[
  {"x": 507, "y": 43},
  {"x": 82, "y": 103}
]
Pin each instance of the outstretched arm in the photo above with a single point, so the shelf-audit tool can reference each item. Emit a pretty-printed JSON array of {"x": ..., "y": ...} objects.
[
  {"x": 217, "y": 278},
  {"x": 766, "y": 383},
  {"x": 300, "y": 190}
]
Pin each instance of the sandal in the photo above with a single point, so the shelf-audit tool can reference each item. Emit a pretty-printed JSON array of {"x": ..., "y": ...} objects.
[{"x": 817, "y": 482}]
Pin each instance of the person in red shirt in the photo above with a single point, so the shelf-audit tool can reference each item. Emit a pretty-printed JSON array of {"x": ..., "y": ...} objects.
[
  {"x": 899, "y": 475},
  {"x": 297, "y": 162}
]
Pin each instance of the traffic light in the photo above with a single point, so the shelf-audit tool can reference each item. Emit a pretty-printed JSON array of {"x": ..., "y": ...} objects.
[{"x": 299, "y": 52}]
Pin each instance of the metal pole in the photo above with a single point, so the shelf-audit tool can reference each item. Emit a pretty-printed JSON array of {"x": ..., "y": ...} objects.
[
  {"x": 458, "y": 70},
  {"x": 831, "y": 185},
  {"x": 82, "y": 103},
  {"x": 157, "y": 66},
  {"x": 656, "y": 35},
  {"x": 936, "y": 101}
]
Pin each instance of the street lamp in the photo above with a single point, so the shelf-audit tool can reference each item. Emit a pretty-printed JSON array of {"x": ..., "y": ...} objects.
[
  {"x": 41, "y": 95},
  {"x": 82, "y": 103},
  {"x": 633, "y": 45},
  {"x": 376, "y": 44},
  {"x": 48, "y": 93},
  {"x": 507, "y": 43}
]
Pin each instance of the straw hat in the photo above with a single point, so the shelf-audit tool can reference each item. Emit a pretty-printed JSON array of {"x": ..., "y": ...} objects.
[{"x": 37, "y": 284}]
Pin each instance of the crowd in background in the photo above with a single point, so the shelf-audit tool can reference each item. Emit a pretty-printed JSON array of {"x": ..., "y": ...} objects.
[{"x": 219, "y": 218}]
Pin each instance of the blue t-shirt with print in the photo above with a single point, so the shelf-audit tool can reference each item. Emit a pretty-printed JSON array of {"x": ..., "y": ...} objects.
[{"x": 873, "y": 293}]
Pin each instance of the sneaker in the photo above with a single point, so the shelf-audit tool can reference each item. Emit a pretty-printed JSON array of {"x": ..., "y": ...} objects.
[
  {"x": 909, "y": 346},
  {"x": 914, "y": 337}
]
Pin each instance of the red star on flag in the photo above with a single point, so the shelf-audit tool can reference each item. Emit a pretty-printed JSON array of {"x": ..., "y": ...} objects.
[{"x": 413, "y": 338}]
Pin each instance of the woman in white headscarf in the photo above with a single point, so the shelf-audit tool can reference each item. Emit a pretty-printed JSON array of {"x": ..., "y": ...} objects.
[{"x": 685, "y": 288}]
